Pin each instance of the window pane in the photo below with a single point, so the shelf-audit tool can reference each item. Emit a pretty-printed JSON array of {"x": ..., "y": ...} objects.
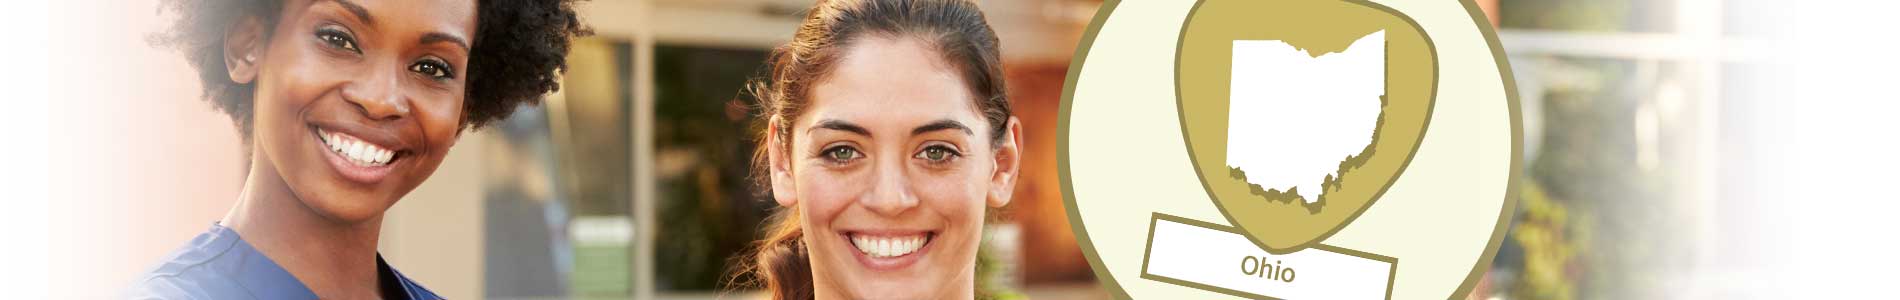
[{"x": 559, "y": 185}]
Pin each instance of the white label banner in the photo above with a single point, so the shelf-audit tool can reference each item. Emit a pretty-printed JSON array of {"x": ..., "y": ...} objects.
[{"x": 1214, "y": 257}]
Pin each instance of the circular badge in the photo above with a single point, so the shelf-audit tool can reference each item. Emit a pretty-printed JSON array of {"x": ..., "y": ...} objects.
[{"x": 1289, "y": 149}]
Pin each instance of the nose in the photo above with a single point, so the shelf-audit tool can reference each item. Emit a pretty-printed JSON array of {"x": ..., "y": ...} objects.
[
  {"x": 890, "y": 194},
  {"x": 378, "y": 95}
]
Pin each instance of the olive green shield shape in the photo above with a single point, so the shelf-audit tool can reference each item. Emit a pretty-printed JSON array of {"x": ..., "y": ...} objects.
[{"x": 1275, "y": 217}]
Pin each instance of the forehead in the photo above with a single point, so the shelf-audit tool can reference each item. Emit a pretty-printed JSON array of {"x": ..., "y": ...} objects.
[
  {"x": 448, "y": 16},
  {"x": 891, "y": 81}
]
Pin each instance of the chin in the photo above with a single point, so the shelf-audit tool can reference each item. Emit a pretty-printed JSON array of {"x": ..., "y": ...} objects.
[
  {"x": 902, "y": 289},
  {"x": 921, "y": 281},
  {"x": 347, "y": 207}
]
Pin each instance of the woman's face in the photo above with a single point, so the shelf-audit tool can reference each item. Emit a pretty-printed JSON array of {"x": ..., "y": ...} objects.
[
  {"x": 892, "y": 167},
  {"x": 357, "y": 101}
]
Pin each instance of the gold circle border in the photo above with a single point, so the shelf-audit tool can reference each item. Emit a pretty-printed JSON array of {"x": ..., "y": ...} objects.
[{"x": 1108, "y": 280}]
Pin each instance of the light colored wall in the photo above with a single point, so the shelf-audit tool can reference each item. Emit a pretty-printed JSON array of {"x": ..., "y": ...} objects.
[
  {"x": 137, "y": 164},
  {"x": 434, "y": 235}
]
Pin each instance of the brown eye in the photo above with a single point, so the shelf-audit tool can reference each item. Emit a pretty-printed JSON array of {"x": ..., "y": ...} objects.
[
  {"x": 337, "y": 38},
  {"x": 433, "y": 68}
]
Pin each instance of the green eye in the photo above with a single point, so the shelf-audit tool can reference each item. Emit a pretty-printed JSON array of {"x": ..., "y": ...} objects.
[
  {"x": 937, "y": 154},
  {"x": 842, "y": 154}
]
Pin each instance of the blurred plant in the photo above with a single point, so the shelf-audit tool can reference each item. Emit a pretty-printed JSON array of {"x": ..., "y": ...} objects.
[
  {"x": 1597, "y": 219},
  {"x": 1593, "y": 15},
  {"x": 1589, "y": 163},
  {"x": 1550, "y": 237},
  {"x": 987, "y": 267}
]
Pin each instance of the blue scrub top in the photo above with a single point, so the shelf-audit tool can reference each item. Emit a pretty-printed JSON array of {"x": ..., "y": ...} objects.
[{"x": 218, "y": 264}]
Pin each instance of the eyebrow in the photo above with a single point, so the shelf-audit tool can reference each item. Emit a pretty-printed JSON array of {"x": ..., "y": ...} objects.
[
  {"x": 438, "y": 37},
  {"x": 361, "y": 14},
  {"x": 840, "y": 125},
  {"x": 945, "y": 124}
]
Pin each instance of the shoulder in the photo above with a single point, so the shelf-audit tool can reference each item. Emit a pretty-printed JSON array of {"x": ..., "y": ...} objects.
[
  {"x": 190, "y": 272},
  {"x": 170, "y": 288},
  {"x": 218, "y": 265},
  {"x": 417, "y": 292},
  {"x": 410, "y": 288}
]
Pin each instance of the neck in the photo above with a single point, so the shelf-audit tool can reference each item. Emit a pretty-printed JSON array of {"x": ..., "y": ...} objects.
[{"x": 335, "y": 259}]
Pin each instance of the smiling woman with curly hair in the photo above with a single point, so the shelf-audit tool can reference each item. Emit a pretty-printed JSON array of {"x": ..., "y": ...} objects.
[{"x": 345, "y": 106}]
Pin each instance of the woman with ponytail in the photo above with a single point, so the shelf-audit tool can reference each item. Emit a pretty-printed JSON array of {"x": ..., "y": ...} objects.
[{"x": 887, "y": 138}]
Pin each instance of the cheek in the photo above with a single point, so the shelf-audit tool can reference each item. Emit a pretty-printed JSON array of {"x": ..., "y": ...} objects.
[
  {"x": 969, "y": 181},
  {"x": 293, "y": 84},
  {"x": 438, "y": 109},
  {"x": 278, "y": 105},
  {"x": 436, "y": 124},
  {"x": 957, "y": 195},
  {"x": 823, "y": 193},
  {"x": 440, "y": 120}
]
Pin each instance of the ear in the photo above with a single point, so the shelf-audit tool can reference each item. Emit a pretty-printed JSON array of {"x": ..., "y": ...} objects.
[
  {"x": 1008, "y": 164},
  {"x": 779, "y": 165},
  {"x": 243, "y": 49}
]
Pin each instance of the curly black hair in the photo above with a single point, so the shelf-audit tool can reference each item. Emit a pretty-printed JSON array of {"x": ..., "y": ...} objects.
[{"x": 520, "y": 49}]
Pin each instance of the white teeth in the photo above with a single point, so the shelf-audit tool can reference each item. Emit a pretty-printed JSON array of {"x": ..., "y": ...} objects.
[
  {"x": 382, "y": 156},
  {"x": 893, "y": 246},
  {"x": 355, "y": 150}
]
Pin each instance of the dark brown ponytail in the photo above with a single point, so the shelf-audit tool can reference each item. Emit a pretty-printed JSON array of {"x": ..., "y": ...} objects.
[{"x": 779, "y": 263}]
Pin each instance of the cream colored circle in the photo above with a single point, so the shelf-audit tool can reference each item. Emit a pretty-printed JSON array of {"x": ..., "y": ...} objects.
[{"x": 1125, "y": 159}]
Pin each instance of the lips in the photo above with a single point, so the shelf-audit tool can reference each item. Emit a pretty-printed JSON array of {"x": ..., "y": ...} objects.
[
  {"x": 356, "y": 158},
  {"x": 886, "y": 246}
]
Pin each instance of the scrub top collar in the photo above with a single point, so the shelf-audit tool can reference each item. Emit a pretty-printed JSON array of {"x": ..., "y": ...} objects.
[{"x": 220, "y": 264}]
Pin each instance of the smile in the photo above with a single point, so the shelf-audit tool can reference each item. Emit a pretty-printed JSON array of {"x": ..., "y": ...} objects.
[
  {"x": 358, "y": 159},
  {"x": 889, "y": 246},
  {"x": 355, "y": 150}
]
